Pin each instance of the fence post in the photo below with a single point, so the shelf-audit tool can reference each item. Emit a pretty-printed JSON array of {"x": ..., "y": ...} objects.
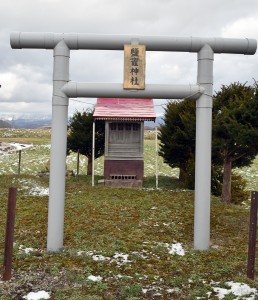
[
  {"x": 9, "y": 234},
  {"x": 19, "y": 163},
  {"x": 78, "y": 162},
  {"x": 252, "y": 235}
]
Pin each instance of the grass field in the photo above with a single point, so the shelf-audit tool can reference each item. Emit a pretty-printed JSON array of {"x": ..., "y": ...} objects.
[
  {"x": 35, "y": 158},
  {"x": 120, "y": 243}
]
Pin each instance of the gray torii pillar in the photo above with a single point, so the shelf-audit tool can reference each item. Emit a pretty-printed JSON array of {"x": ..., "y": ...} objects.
[
  {"x": 58, "y": 149},
  {"x": 203, "y": 150}
]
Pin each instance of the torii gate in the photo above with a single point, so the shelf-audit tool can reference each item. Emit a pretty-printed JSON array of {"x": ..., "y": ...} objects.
[{"x": 63, "y": 88}]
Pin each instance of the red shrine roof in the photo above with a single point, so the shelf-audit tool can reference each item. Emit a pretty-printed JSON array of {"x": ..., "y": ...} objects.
[{"x": 126, "y": 109}]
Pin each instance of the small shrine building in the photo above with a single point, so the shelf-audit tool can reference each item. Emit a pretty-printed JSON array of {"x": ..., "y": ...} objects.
[{"x": 124, "y": 138}]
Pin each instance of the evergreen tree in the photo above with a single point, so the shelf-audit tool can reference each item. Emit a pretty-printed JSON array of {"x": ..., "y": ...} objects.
[
  {"x": 177, "y": 135},
  {"x": 234, "y": 135},
  {"x": 80, "y": 129},
  {"x": 235, "y": 130}
]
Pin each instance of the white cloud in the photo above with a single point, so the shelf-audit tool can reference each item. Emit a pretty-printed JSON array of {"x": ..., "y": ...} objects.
[
  {"x": 242, "y": 28},
  {"x": 24, "y": 84},
  {"x": 20, "y": 108},
  {"x": 9, "y": 82},
  {"x": 26, "y": 74}
]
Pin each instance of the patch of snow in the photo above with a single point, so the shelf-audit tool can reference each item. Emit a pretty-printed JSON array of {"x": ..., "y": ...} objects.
[
  {"x": 33, "y": 188},
  {"x": 28, "y": 250},
  {"x": 214, "y": 282},
  {"x": 209, "y": 294},
  {"x": 10, "y": 147},
  {"x": 121, "y": 258},
  {"x": 39, "y": 191},
  {"x": 240, "y": 289},
  {"x": 100, "y": 258},
  {"x": 95, "y": 278},
  {"x": 237, "y": 289},
  {"x": 23, "y": 249},
  {"x": 18, "y": 146},
  {"x": 174, "y": 290},
  {"x": 173, "y": 248},
  {"x": 119, "y": 276},
  {"x": 221, "y": 292},
  {"x": 141, "y": 254},
  {"x": 176, "y": 249},
  {"x": 166, "y": 224},
  {"x": 37, "y": 295},
  {"x": 157, "y": 294}
]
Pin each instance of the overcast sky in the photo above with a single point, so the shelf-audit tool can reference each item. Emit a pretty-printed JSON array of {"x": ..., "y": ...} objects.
[{"x": 26, "y": 74}]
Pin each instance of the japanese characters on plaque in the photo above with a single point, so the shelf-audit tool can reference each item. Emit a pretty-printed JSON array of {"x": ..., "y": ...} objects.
[{"x": 134, "y": 67}]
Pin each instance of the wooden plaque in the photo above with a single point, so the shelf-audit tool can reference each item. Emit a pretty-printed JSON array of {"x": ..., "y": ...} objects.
[{"x": 134, "y": 67}]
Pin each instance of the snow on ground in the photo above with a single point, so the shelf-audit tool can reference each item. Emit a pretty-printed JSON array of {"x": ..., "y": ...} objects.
[
  {"x": 39, "y": 191},
  {"x": 32, "y": 187},
  {"x": 23, "y": 249},
  {"x": 176, "y": 249},
  {"x": 237, "y": 289},
  {"x": 119, "y": 258},
  {"x": 95, "y": 278},
  {"x": 37, "y": 295},
  {"x": 9, "y": 147},
  {"x": 122, "y": 258},
  {"x": 33, "y": 158}
]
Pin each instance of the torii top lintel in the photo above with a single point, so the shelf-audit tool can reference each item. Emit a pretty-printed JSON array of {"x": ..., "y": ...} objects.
[{"x": 76, "y": 41}]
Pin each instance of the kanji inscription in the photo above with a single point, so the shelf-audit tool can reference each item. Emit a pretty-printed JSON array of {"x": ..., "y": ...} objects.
[{"x": 134, "y": 67}]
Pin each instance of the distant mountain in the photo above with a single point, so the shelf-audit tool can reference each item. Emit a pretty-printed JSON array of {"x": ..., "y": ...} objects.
[
  {"x": 5, "y": 124},
  {"x": 46, "y": 122},
  {"x": 31, "y": 123},
  {"x": 26, "y": 120}
]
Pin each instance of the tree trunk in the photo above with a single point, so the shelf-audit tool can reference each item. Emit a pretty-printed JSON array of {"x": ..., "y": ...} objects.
[
  {"x": 226, "y": 185},
  {"x": 181, "y": 174},
  {"x": 182, "y": 171},
  {"x": 89, "y": 167}
]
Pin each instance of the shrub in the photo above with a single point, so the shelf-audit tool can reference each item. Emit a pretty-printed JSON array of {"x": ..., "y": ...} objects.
[
  {"x": 189, "y": 174},
  {"x": 238, "y": 189},
  {"x": 238, "y": 183},
  {"x": 216, "y": 178}
]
